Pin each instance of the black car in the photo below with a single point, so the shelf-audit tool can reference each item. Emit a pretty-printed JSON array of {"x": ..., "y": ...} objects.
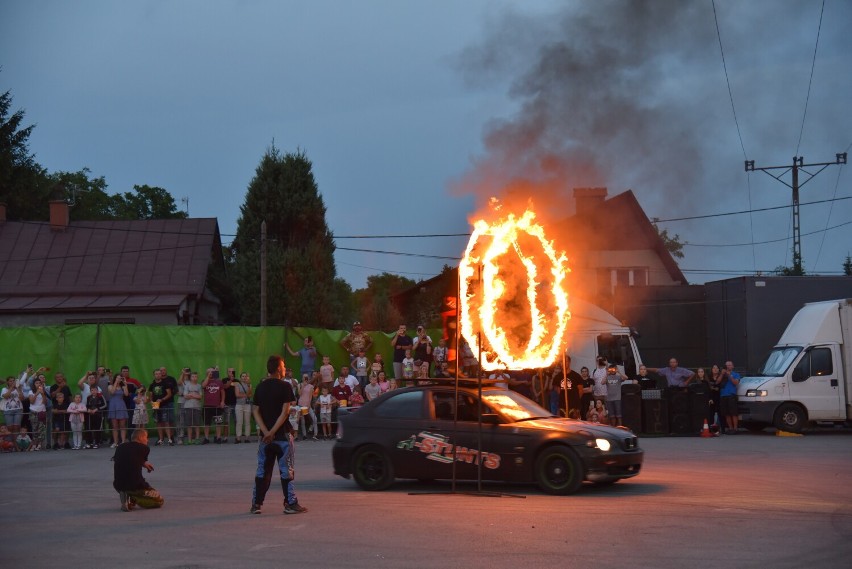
[{"x": 418, "y": 432}]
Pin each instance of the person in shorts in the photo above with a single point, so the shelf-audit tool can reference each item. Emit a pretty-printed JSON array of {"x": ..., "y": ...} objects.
[
  {"x": 214, "y": 405},
  {"x": 614, "y": 379}
]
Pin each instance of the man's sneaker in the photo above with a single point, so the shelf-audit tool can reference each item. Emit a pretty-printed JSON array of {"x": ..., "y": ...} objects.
[
  {"x": 204, "y": 441},
  {"x": 88, "y": 446},
  {"x": 159, "y": 442},
  {"x": 294, "y": 508},
  {"x": 171, "y": 443},
  {"x": 95, "y": 446},
  {"x": 255, "y": 509},
  {"x": 125, "y": 501}
]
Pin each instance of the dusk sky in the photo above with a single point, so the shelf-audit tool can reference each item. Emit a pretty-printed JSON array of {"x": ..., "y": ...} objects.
[{"x": 413, "y": 113}]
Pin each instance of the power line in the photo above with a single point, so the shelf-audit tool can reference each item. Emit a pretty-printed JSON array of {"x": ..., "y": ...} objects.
[
  {"x": 811, "y": 80},
  {"x": 727, "y": 80},
  {"x": 830, "y": 210},
  {"x": 399, "y": 253},
  {"x": 764, "y": 242},
  {"x": 689, "y": 218}
]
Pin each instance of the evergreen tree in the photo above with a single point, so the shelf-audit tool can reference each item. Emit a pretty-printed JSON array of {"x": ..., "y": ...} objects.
[
  {"x": 847, "y": 266},
  {"x": 24, "y": 186},
  {"x": 301, "y": 285}
]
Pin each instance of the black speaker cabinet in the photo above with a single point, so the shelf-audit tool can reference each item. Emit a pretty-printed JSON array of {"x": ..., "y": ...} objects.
[
  {"x": 680, "y": 421},
  {"x": 698, "y": 396},
  {"x": 655, "y": 412},
  {"x": 631, "y": 407}
]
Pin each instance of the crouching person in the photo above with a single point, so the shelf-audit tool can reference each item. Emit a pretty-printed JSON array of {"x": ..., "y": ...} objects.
[{"x": 130, "y": 458}]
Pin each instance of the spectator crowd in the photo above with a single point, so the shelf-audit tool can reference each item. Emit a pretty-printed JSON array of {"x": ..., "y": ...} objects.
[{"x": 42, "y": 411}]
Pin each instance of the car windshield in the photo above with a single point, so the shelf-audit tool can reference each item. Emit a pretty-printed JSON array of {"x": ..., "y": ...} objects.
[
  {"x": 778, "y": 360},
  {"x": 514, "y": 405}
]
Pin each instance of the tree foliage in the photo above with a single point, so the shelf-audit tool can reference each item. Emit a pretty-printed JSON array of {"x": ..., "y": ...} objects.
[
  {"x": 21, "y": 177},
  {"x": 376, "y": 311},
  {"x": 847, "y": 266},
  {"x": 302, "y": 289},
  {"x": 794, "y": 270},
  {"x": 672, "y": 243}
]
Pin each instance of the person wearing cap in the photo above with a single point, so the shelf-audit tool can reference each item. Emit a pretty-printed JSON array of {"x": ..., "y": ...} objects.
[{"x": 356, "y": 340}]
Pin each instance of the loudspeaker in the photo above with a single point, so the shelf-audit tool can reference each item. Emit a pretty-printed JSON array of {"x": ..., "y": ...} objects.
[
  {"x": 679, "y": 418},
  {"x": 655, "y": 412},
  {"x": 698, "y": 396},
  {"x": 631, "y": 407}
]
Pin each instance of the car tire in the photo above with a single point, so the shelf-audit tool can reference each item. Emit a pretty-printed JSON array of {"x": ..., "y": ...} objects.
[
  {"x": 790, "y": 417},
  {"x": 558, "y": 471},
  {"x": 372, "y": 468}
]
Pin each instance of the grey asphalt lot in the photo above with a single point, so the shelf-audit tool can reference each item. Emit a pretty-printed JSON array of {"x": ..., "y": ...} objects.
[{"x": 737, "y": 501}]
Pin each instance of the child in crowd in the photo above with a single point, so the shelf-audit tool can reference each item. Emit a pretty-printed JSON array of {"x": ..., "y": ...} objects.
[
  {"x": 373, "y": 390},
  {"x": 96, "y": 406},
  {"x": 384, "y": 384},
  {"x": 356, "y": 399},
  {"x": 293, "y": 418},
  {"x": 325, "y": 402},
  {"x": 327, "y": 371},
  {"x": 422, "y": 369},
  {"x": 24, "y": 442},
  {"x": 439, "y": 353},
  {"x": 140, "y": 412},
  {"x": 76, "y": 414},
  {"x": 361, "y": 364},
  {"x": 392, "y": 384},
  {"x": 408, "y": 367},
  {"x": 61, "y": 425},
  {"x": 7, "y": 444},
  {"x": 378, "y": 364}
]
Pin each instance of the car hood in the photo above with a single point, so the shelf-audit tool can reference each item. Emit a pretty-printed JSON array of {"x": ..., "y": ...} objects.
[{"x": 574, "y": 426}]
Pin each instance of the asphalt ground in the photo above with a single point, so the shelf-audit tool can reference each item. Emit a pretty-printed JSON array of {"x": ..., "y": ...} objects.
[{"x": 734, "y": 501}]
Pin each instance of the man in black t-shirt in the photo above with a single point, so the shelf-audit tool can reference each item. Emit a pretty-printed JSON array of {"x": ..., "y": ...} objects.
[
  {"x": 272, "y": 400},
  {"x": 130, "y": 458}
]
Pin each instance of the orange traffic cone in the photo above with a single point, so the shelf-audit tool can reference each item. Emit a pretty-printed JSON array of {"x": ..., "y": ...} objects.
[{"x": 705, "y": 432}]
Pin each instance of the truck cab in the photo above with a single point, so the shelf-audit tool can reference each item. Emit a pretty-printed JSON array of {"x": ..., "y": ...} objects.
[{"x": 805, "y": 377}]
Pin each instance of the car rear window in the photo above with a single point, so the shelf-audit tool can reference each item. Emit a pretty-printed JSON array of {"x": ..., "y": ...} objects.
[{"x": 408, "y": 405}]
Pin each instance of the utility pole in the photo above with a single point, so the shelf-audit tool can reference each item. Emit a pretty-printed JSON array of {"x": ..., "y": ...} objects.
[
  {"x": 263, "y": 273},
  {"x": 798, "y": 165}
]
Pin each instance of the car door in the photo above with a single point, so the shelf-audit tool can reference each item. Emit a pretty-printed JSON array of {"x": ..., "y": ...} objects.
[{"x": 397, "y": 423}]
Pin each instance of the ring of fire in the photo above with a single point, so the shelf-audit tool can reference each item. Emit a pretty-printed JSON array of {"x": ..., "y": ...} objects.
[{"x": 514, "y": 306}]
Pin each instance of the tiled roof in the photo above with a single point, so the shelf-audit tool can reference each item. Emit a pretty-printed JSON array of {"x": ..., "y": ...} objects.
[{"x": 104, "y": 264}]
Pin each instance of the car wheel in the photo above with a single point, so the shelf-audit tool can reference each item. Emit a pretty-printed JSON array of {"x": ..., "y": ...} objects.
[
  {"x": 558, "y": 470},
  {"x": 372, "y": 468},
  {"x": 790, "y": 417}
]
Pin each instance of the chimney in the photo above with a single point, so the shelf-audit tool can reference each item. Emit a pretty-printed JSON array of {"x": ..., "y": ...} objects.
[
  {"x": 586, "y": 200},
  {"x": 2, "y": 212},
  {"x": 59, "y": 211}
]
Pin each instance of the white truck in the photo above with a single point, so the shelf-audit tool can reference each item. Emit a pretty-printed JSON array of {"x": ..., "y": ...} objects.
[
  {"x": 807, "y": 376},
  {"x": 592, "y": 331}
]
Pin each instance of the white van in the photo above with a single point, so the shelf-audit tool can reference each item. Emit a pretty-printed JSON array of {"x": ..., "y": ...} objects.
[{"x": 806, "y": 376}]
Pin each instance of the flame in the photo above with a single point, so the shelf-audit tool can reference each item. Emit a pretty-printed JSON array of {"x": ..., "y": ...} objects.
[{"x": 513, "y": 297}]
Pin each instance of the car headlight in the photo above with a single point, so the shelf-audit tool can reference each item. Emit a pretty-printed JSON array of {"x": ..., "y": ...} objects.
[
  {"x": 600, "y": 444},
  {"x": 757, "y": 393}
]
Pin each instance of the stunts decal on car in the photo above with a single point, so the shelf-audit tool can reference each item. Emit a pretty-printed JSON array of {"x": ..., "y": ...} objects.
[{"x": 437, "y": 448}]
